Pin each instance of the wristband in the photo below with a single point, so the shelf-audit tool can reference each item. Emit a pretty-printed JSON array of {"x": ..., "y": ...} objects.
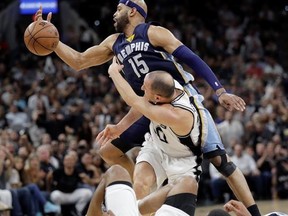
[
  {"x": 221, "y": 94},
  {"x": 187, "y": 56}
]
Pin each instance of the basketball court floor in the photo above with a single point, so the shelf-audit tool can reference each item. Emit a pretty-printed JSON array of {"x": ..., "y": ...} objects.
[{"x": 264, "y": 206}]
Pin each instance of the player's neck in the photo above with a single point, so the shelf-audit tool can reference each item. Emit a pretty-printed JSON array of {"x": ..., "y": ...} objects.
[
  {"x": 177, "y": 92},
  {"x": 129, "y": 30}
]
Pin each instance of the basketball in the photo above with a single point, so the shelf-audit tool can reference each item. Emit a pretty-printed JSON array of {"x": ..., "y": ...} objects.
[{"x": 41, "y": 37}]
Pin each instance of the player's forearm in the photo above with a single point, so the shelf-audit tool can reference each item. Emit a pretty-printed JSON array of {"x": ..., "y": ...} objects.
[
  {"x": 124, "y": 89},
  {"x": 68, "y": 55},
  {"x": 154, "y": 201},
  {"x": 188, "y": 57},
  {"x": 97, "y": 200},
  {"x": 130, "y": 118}
]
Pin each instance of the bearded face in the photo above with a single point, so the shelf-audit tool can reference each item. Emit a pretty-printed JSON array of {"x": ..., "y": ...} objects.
[{"x": 121, "y": 22}]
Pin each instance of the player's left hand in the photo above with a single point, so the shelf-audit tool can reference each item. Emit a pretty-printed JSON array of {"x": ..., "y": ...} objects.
[
  {"x": 102, "y": 140},
  {"x": 109, "y": 213},
  {"x": 39, "y": 13},
  {"x": 115, "y": 67},
  {"x": 232, "y": 102}
]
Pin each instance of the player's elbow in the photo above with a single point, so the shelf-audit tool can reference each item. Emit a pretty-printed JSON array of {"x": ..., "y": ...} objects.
[
  {"x": 131, "y": 103},
  {"x": 78, "y": 66}
]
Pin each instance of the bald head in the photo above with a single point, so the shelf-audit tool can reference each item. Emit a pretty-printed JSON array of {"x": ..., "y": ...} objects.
[{"x": 162, "y": 83}]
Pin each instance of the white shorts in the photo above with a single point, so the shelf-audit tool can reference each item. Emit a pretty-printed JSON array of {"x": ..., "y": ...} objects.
[
  {"x": 6, "y": 197},
  {"x": 166, "y": 166},
  {"x": 121, "y": 200},
  {"x": 167, "y": 210}
]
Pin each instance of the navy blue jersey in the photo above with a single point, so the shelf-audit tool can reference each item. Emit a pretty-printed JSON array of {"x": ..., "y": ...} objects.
[{"x": 140, "y": 57}]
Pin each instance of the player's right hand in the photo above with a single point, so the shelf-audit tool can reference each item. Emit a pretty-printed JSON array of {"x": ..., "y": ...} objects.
[
  {"x": 237, "y": 207},
  {"x": 109, "y": 213},
  {"x": 232, "y": 102},
  {"x": 38, "y": 15}
]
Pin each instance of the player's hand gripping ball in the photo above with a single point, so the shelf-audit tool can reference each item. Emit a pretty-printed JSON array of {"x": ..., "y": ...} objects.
[{"x": 41, "y": 37}]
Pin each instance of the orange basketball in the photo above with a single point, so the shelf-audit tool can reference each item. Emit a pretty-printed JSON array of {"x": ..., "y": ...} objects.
[{"x": 41, "y": 37}]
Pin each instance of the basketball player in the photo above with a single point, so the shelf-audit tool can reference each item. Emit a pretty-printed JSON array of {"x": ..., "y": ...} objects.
[
  {"x": 239, "y": 209},
  {"x": 173, "y": 146},
  {"x": 120, "y": 199},
  {"x": 142, "y": 47}
]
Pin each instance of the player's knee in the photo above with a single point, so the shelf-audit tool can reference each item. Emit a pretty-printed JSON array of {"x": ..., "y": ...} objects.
[
  {"x": 185, "y": 184},
  {"x": 102, "y": 152},
  {"x": 143, "y": 183},
  {"x": 225, "y": 167},
  {"x": 117, "y": 172},
  {"x": 190, "y": 183},
  {"x": 55, "y": 197},
  {"x": 108, "y": 153},
  {"x": 144, "y": 174},
  {"x": 144, "y": 180}
]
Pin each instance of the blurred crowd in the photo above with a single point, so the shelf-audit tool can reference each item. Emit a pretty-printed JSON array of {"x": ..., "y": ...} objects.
[{"x": 51, "y": 114}]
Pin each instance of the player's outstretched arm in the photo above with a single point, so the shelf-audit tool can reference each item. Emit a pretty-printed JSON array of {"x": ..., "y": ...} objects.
[
  {"x": 97, "y": 199},
  {"x": 164, "y": 114},
  {"x": 93, "y": 56},
  {"x": 162, "y": 37}
]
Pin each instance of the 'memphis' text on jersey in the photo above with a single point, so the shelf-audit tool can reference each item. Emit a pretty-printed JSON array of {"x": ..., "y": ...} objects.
[{"x": 130, "y": 48}]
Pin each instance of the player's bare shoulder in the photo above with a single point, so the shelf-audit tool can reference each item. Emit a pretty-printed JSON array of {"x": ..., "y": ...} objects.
[
  {"x": 155, "y": 30},
  {"x": 110, "y": 40},
  {"x": 160, "y": 36}
]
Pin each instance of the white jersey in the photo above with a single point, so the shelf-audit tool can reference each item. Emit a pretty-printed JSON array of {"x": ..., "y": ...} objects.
[
  {"x": 172, "y": 144},
  {"x": 171, "y": 155}
]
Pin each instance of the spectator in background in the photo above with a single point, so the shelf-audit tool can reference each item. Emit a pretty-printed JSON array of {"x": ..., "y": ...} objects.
[
  {"x": 39, "y": 201},
  {"x": 46, "y": 167},
  {"x": 16, "y": 118},
  {"x": 25, "y": 141},
  {"x": 7, "y": 95},
  {"x": 230, "y": 130},
  {"x": 272, "y": 69},
  {"x": 53, "y": 125},
  {"x": 248, "y": 166},
  {"x": 89, "y": 173},
  {"x": 38, "y": 99},
  {"x": 98, "y": 162},
  {"x": 5, "y": 202},
  {"x": 85, "y": 131},
  {"x": 3, "y": 120},
  {"x": 219, "y": 187},
  {"x": 65, "y": 190},
  {"x": 264, "y": 159},
  {"x": 254, "y": 68},
  {"x": 280, "y": 174},
  {"x": 74, "y": 118},
  {"x": 220, "y": 114},
  {"x": 58, "y": 150},
  {"x": 88, "y": 37},
  {"x": 21, "y": 197}
]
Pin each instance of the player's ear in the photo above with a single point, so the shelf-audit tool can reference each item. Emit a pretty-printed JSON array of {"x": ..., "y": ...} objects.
[
  {"x": 157, "y": 98},
  {"x": 133, "y": 11}
]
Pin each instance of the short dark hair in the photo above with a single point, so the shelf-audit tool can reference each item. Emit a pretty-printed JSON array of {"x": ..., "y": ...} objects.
[
  {"x": 163, "y": 83},
  {"x": 218, "y": 212}
]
